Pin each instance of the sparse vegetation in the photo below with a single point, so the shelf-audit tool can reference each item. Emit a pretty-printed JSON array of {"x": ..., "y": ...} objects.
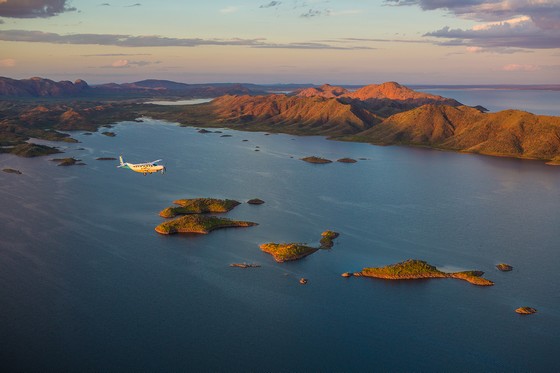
[
  {"x": 413, "y": 269},
  {"x": 199, "y": 206},
  {"x": 283, "y": 252},
  {"x": 199, "y": 224}
]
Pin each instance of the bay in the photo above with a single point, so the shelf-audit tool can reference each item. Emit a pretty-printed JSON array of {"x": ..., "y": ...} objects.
[{"x": 87, "y": 284}]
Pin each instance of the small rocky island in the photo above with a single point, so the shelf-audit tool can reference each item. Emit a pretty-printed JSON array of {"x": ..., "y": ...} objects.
[
  {"x": 106, "y": 159},
  {"x": 504, "y": 267},
  {"x": 284, "y": 252},
  {"x": 413, "y": 269},
  {"x": 316, "y": 160},
  {"x": 199, "y": 224},
  {"x": 109, "y": 134},
  {"x": 255, "y": 201},
  {"x": 12, "y": 171},
  {"x": 346, "y": 160},
  {"x": 525, "y": 310},
  {"x": 68, "y": 161},
  {"x": 199, "y": 206}
]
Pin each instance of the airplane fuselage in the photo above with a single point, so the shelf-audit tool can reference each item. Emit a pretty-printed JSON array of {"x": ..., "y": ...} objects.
[{"x": 144, "y": 168}]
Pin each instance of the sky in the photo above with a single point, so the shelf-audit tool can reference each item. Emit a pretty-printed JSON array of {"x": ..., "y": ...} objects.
[{"x": 283, "y": 41}]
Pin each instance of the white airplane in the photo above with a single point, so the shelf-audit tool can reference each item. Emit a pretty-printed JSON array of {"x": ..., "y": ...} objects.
[{"x": 144, "y": 168}]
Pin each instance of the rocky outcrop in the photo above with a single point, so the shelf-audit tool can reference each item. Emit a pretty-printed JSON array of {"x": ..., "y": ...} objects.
[
  {"x": 504, "y": 267},
  {"x": 284, "y": 252},
  {"x": 199, "y": 206},
  {"x": 325, "y": 91},
  {"x": 525, "y": 310}
]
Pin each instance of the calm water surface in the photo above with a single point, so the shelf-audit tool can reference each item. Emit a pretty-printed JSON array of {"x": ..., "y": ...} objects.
[{"x": 87, "y": 284}]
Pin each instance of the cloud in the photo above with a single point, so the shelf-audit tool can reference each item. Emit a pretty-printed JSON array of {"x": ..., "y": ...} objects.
[
  {"x": 311, "y": 13},
  {"x": 115, "y": 54},
  {"x": 33, "y": 8},
  {"x": 497, "y": 50},
  {"x": 150, "y": 40},
  {"x": 272, "y": 4},
  {"x": 133, "y": 5},
  {"x": 124, "y": 63},
  {"x": 517, "y": 33},
  {"x": 105, "y": 4},
  {"x": 7, "y": 62},
  {"x": 120, "y": 63},
  {"x": 531, "y": 24},
  {"x": 522, "y": 68},
  {"x": 229, "y": 9}
]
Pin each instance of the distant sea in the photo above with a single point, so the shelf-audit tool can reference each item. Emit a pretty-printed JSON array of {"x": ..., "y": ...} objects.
[
  {"x": 534, "y": 101},
  {"x": 86, "y": 284}
]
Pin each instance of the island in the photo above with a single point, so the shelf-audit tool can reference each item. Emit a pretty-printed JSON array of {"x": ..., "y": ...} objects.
[
  {"x": 255, "y": 201},
  {"x": 284, "y": 252},
  {"x": 199, "y": 224},
  {"x": 12, "y": 171},
  {"x": 199, "y": 206},
  {"x": 346, "y": 160},
  {"x": 504, "y": 267},
  {"x": 525, "y": 310},
  {"x": 109, "y": 134},
  {"x": 106, "y": 159},
  {"x": 244, "y": 265},
  {"x": 29, "y": 150},
  {"x": 413, "y": 269},
  {"x": 68, "y": 161},
  {"x": 316, "y": 160},
  {"x": 327, "y": 238}
]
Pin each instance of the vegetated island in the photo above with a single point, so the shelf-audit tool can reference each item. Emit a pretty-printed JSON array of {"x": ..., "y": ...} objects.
[
  {"x": 255, "y": 201},
  {"x": 199, "y": 224},
  {"x": 199, "y": 206},
  {"x": 413, "y": 269},
  {"x": 327, "y": 238},
  {"x": 317, "y": 160},
  {"x": 12, "y": 171},
  {"x": 284, "y": 252}
]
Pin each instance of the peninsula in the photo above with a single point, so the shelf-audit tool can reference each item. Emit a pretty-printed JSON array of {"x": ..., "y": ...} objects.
[{"x": 413, "y": 269}]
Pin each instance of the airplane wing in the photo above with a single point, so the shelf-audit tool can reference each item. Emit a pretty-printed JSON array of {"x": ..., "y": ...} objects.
[{"x": 159, "y": 160}]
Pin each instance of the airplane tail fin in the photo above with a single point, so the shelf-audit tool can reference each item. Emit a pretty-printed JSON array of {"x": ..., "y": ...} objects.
[{"x": 122, "y": 162}]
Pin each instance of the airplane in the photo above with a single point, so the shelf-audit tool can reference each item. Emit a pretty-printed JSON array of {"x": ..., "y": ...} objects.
[{"x": 144, "y": 168}]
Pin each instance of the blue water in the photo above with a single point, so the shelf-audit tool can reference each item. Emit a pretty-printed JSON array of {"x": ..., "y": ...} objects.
[
  {"x": 534, "y": 101},
  {"x": 87, "y": 284}
]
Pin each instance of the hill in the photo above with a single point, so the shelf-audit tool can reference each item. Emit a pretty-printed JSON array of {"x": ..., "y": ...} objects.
[
  {"x": 304, "y": 115},
  {"x": 326, "y": 91},
  {"x": 511, "y": 133},
  {"x": 39, "y": 87}
]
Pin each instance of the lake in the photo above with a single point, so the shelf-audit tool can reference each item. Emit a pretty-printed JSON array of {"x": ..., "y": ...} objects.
[{"x": 87, "y": 284}]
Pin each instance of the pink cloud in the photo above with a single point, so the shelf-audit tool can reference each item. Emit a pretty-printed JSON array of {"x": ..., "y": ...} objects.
[
  {"x": 518, "y": 67},
  {"x": 7, "y": 62},
  {"x": 120, "y": 63}
]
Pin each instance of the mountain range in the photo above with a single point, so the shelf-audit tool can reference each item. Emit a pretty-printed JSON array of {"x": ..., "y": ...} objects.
[{"x": 387, "y": 113}]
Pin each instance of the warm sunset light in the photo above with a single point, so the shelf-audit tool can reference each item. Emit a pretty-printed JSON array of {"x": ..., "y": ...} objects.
[{"x": 351, "y": 42}]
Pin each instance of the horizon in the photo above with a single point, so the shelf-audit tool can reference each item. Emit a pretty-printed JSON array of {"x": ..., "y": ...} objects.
[{"x": 355, "y": 42}]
